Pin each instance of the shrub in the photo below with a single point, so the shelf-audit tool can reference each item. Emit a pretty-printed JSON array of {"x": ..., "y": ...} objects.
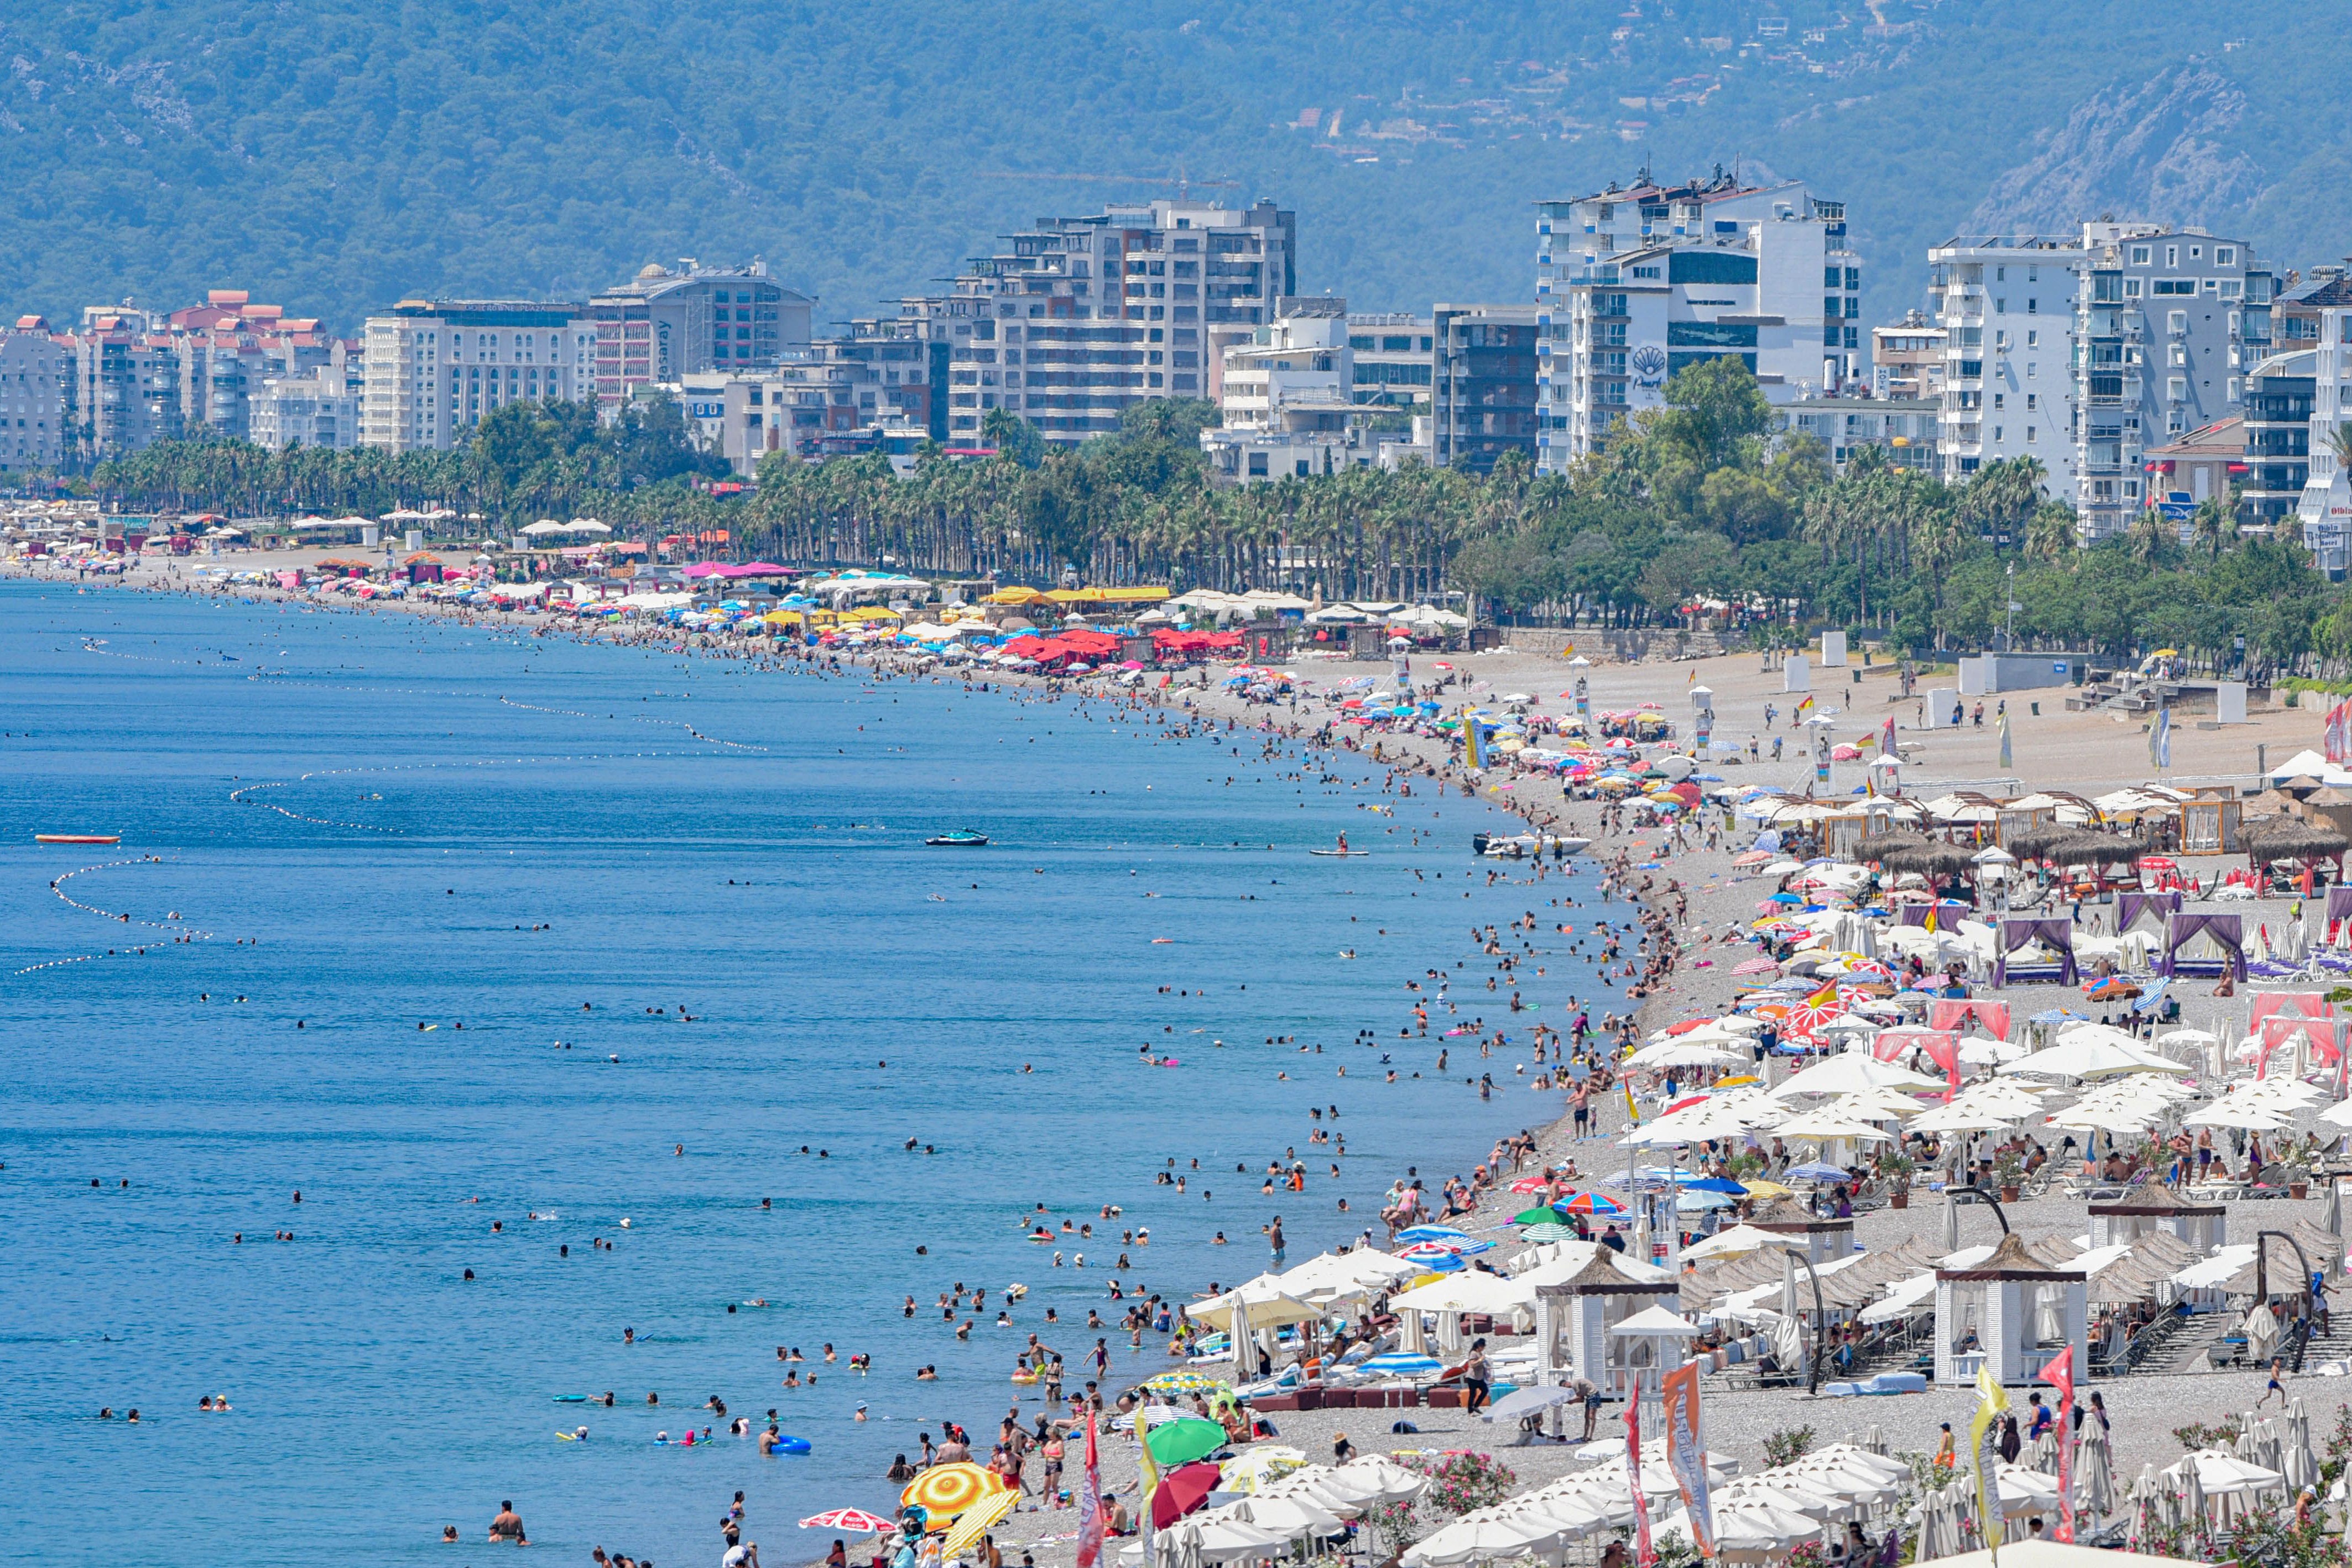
[{"x": 1787, "y": 1446}]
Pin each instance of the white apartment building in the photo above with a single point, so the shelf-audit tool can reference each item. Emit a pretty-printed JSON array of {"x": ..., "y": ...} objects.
[
  {"x": 1288, "y": 399},
  {"x": 320, "y": 409},
  {"x": 432, "y": 369},
  {"x": 1083, "y": 316},
  {"x": 35, "y": 370},
  {"x": 2325, "y": 508},
  {"x": 1633, "y": 285},
  {"x": 2005, "y": 305},
  {"x": 2168, "y": 325}
]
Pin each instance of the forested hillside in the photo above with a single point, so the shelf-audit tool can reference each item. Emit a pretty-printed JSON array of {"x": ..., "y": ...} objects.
[{"x": 335, "y": 155}]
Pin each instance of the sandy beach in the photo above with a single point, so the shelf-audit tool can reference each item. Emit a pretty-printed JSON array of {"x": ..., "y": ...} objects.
[{"x": 2090, "y": 752}]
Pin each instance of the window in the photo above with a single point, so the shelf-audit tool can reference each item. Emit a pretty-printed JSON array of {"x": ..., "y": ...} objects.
[
  {"x": 2032, "y": 401},
  {"x": 2172, "y": 256},
  {"x": 2225, "y": 255},
  {"x": 1996, "y": 432},
  {"x": 2131, "y": 288},
  {"x": 2176, "y": 388},
  {"x": 2031, "y": 431},
  {"x": 2032, "y": 305},
  {"x": 2176, "y": 322},
  {"x": 2140, "y": 256},
  {"x": 1996, "y": 399},
  {"x": 2175, "y": 286},
  {"x": 2001, "y": 307},
  {"x": 2033, "y": 339}
]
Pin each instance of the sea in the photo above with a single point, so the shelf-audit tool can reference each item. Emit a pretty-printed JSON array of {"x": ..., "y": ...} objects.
[{"x": 497, "y": 946}]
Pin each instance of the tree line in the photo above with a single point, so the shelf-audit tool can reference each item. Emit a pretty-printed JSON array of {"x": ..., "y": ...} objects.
[{"x": 1701, "y": 499}]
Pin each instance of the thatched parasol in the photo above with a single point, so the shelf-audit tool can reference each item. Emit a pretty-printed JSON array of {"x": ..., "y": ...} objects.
[
  {"x": 1880, "y": 845},
  {"x": 2284, "y": 838},
  {"x": 2094, "y": 850},
  {"x": 1930, "y": 858},
  {"x": 2034, "y": 843}
]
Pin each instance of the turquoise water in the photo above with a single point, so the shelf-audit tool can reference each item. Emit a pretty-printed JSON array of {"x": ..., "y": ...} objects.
[{"x": 403, "y": 836}]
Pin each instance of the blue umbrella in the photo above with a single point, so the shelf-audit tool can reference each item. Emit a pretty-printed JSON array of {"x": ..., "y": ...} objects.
[
  {"x": 1403, "y": 1363},
  {"x": 1715, "y": 1184},
  {"x": 1699, "y": 1203},
  {"x": 1431, "y": 1233},
  {"x": 1438, "y": 1263},
  {"x": 1815, "y": 1171},
  {"x": 1787, "y": 898}
]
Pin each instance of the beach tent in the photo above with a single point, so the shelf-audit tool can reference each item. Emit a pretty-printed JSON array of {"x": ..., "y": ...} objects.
[
  {"x": 2225, "y": 936},
  {"x": 1992, "y": 1018},
  {"x": 2154, "y": 907},
  {"x": 2014, "y": 935}
]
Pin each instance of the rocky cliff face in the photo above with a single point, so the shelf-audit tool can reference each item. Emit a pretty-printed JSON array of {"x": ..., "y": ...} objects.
[{"x": 2170, "y": 149}]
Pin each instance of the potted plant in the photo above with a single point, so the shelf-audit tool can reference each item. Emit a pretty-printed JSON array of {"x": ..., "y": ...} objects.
[
  {"x": 1898, "y": 1169},
  {"x": 2009, "y": 1171}
]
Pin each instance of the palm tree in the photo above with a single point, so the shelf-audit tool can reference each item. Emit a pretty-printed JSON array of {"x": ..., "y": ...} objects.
[
  {"x": 2052, "y": 534},
  {"x": 2212, "y": 527}
]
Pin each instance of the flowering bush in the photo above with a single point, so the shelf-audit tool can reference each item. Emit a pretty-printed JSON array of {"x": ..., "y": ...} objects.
[{"x": 1461, "y": 1482}]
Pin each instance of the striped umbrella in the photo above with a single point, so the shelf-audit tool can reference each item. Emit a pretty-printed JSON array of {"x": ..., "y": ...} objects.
[
  {"x": 1547, "y": 1233},
  {"x": 977, "y": 1521},
  {"x": 849, "y": 1521},
  {"x": 944, "y": 1491},
  {"x": 1590, "y": 1204},
  {"x": 1431, "y": 1232}
]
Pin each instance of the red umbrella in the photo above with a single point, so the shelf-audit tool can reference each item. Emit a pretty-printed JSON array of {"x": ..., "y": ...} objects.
[{"x": 1182, "y": 1490}]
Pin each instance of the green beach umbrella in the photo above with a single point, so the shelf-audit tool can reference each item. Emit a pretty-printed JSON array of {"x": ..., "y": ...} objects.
[
  {"x": 1184, "y": 1439},
  {"x": 1542, "y": 1214}
]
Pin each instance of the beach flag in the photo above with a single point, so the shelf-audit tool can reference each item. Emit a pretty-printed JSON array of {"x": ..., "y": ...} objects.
[
  {"x": 1799, "y": 713},
  {"x": 1645, "y": 1554},
  {"x": 1886, "y": 737},
  {"x": 1825, "y": 997},
  {"x": 2060, "y": 1375},
  {"x": 1470, "y": 737},
  {"x": 1984, "y": 1442},
  {"x": 1090, "y": 1515},
  {"x": 2160, "y": 740},
  {"x": 1633, "y": 1111},
  {"x": 1930, "y": 921},
  {"x": 2004, "y": 741}
]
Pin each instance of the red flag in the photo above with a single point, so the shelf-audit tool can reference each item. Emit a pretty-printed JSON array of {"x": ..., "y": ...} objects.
[
  {"x": 2060, "y": 1375},
  {"x": 1645, "y": 1554},
  {"x": 1090, "y": 1515}
]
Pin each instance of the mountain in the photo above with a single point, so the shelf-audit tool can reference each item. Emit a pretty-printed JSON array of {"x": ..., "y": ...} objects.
[{"x": 336, "y": 155}]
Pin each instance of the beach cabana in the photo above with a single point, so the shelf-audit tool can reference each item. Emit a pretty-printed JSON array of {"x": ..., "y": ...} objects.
[
  {"x": 2224, "y": 949},
  {"x": 2012, "y": 1312},
  {"x": 2135, "y": 909},
  {"x": 1948, "y": 915},
  {"x": 2021, "y": 935},
  {"x": 1576, "y": 1305},
  {"x": 2157, "y": 1208}
]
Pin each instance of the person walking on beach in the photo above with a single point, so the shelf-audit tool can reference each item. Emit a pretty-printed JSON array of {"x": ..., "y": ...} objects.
[{"x": 1474, "y": 1381}]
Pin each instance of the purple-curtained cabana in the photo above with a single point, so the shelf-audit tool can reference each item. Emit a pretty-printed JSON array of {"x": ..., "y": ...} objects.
[
  {"x": 2228, "y": 931},
  {"x": 2129, "y": 907},
  {"x": 2020, "y": 933}
]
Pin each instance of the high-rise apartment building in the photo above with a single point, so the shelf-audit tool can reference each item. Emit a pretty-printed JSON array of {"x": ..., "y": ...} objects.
[
  {"x": 1393, "y": 354},
  {"x": 126, "y": 386},
  {"x": 434, "y": 368},
  {"x": 36, "y": 375},
  {"x": 666, "y": 323},
  {"x": 320, "y": 409},
  {"x": 227, "y": 347},
  {"x": 2005, "y": 305},
  {"x": 2167, "y": 325},
  {"x": 1484, "y": 384},
  {"x": 1288, "y": 401},
  {"x": 1078, "y": 318},
  {"x": 1631, "y": 285},
  {"x": 2325, "y": 508}
]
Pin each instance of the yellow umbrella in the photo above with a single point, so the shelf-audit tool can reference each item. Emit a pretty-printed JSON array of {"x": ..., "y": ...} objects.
[
  {"x": 1760, "y": 1188},
  {"x": 944, "y": 1491},
  {"x": 978, "y": 1520}
]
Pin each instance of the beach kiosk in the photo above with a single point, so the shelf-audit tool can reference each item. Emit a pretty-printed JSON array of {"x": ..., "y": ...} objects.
[
  {"x": 2012, "y": 1312},
  {"x": 2120, "y": 1221},
  {"x": 1575, "y": 1317},
  {"x": 1823, "y": 1238}
]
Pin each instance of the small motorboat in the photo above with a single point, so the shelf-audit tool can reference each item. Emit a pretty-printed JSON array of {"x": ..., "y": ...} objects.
[
  {"x": 77, "y": 838},
  {"x": 961, "y": 839}
]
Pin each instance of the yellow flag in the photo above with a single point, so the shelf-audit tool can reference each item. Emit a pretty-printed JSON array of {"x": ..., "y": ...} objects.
[
  {"x": 1931, "y": 919},
  {"x": 1470, "y": 738},
  {"x": 1146, "y": 1472},
  {"x": 1984, "y": 1438},
  {"x": 1825, "y": 997}
]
